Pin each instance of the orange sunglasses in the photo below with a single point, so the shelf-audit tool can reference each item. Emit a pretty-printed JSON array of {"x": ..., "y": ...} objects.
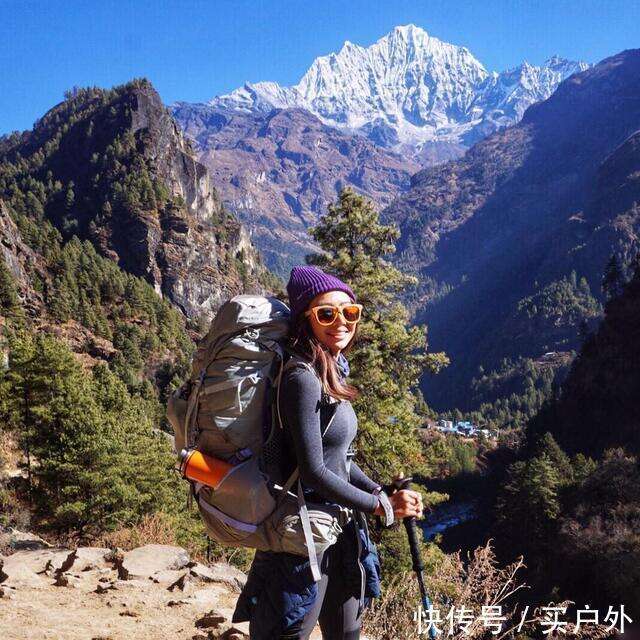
[{"x": 327, "y": 314}]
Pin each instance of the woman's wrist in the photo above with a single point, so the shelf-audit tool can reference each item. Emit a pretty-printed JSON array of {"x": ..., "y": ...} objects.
[{"x": 385, "y": 509}]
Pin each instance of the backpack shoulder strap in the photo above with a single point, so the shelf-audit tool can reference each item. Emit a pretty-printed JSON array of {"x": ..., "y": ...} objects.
[{"x": 293, "y": 361}]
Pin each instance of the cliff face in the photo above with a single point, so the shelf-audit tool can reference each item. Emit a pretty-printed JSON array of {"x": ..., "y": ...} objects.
[
  {"x": 123, "y": 176},
  {"x": 21, "y": 261},
  {"x": 187, "y": 248}
]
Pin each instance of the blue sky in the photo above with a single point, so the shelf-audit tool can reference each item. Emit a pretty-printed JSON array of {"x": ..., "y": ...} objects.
[{"x": 197, "y": 49}]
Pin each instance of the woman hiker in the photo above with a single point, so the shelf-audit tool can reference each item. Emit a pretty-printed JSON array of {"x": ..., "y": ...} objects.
[{"x": 280, "y": 598}]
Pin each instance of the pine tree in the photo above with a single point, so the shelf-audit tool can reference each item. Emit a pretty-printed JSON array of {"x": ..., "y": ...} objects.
[
  {"x": 612, "y": 281},
  {"x": 96, "y": 461},
  {"x": 389, "y": 356},
  {"x": 69, "y": 199},
  {"x": 528, "y": 505},
  {"x": 547, "y": 446},
  {"x": 9, "y": 304}
]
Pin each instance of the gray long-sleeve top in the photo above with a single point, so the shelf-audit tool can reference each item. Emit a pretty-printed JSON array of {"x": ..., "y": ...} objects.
[{"x": 322, "y": 461}]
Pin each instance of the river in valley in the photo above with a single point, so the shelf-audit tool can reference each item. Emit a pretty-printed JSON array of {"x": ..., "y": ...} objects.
[{"x": 448, "y": 516}]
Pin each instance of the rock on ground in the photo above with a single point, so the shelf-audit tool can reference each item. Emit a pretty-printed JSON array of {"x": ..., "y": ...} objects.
[{"x": 144, "y": 562}]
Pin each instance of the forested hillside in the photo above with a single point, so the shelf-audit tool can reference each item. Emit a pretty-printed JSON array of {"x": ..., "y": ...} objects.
[
  {"x": 115, "y": 251},
  {"x": 279, "y": 171},
  {"x": 571, "y": 502},
  {"x": 511, "y": 241},
  {"x": 111, "y": 167},
  {"x": 599, "y": 405}
]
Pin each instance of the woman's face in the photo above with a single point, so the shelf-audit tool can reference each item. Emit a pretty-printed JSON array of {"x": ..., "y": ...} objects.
[{"x": 337, "y": 335}]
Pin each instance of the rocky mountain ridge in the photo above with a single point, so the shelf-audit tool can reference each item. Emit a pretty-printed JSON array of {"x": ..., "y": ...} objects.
[
  {"x": 119, "y": 173},
  {"x": 365, "y": 117},
  {"x": 408, "y": 89}
]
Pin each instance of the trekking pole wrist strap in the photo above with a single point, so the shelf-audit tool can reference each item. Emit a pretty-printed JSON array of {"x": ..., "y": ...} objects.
[{"x": 385, "y": 503}]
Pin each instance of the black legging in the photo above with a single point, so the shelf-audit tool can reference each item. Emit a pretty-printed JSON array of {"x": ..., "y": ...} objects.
[{"x": 334, "y": 608}]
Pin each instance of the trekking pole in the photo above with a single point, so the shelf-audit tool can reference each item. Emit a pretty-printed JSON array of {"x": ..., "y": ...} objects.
[{"x": 414, "y": 545}]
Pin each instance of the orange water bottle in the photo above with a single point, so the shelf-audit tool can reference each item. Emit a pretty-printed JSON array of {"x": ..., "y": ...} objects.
[{"x": 195, "y": 465}]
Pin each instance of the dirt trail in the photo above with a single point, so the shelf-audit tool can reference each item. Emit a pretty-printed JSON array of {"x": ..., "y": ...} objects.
[{"x": 150, "y": 593}]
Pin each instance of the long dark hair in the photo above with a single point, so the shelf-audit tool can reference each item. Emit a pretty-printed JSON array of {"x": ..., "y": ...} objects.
[{"x": 303, "y": 341}]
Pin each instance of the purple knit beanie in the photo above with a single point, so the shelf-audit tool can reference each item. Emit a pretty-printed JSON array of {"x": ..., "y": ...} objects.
[{"x": 306, "y": 282}]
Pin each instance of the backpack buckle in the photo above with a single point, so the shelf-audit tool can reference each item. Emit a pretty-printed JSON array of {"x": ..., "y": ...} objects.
[{"x": 345, "y": 515}]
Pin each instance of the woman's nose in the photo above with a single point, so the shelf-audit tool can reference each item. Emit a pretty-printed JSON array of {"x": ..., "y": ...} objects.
[{"x": 340, "y": 321}]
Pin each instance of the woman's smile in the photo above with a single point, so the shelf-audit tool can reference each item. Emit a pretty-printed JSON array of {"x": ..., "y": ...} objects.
[{"x": 337, "y": 335}]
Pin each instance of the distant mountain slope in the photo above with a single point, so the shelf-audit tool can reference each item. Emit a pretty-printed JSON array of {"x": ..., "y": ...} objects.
[
  {"x": 112, "y": 167},
  {"x": 496, "y": 235},
  {"x": 408, "y": 88},
  {"x": 598, "y": 407},
  {"x": 279, "y": 171},
  {"x": 364, "y": 117}
]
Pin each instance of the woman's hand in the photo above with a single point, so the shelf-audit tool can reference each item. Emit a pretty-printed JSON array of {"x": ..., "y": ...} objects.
[{"x": 405, "y": 503}]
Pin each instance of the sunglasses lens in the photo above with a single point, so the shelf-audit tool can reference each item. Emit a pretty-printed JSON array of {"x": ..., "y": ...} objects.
[
  {"x": 326, "y": 315},
  {"x": 351, "y": 314}
]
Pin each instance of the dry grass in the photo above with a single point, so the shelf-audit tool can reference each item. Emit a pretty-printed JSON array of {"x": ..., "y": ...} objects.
[
  {"x": 156, "y": 528},
  {"x": 9, "y": 453},
  {"x": 161, "y": 528},
  {"x": 481, "y": 583}
]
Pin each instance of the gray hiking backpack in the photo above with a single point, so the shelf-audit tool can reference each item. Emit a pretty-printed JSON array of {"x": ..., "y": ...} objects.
[{"x": 229, "y": 409}]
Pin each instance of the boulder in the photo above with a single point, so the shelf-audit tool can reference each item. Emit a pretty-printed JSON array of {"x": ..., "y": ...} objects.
[
  {"x": 26, "y": 568},
  {"x": 177, "y": 603},
  {"x": 86, "y": 559},
  {"x": 207, "y": 596},
  {"x": 7, "y": 593},
  {"x": 146, "y": 561},
  {"x": 66, "y": 580},
  {"x": 167, "y": 577},
  {"x": 212, "y": 619},
  {"x": 218, "y": 627},
  {"x": 23, "y": 541},
  {"x": 220, "y": 572},
  {"x": 181, "y": 584},
  {"x": 103, "y": 587}
]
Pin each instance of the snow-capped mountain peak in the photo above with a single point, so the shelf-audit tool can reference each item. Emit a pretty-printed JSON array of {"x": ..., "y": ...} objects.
[
  {"x": 409, "y": 87},
  {"x": 405, "y": 76}
]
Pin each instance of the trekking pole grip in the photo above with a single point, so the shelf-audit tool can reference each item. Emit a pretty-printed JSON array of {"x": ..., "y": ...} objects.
[{"x": 412, "y": 530}]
